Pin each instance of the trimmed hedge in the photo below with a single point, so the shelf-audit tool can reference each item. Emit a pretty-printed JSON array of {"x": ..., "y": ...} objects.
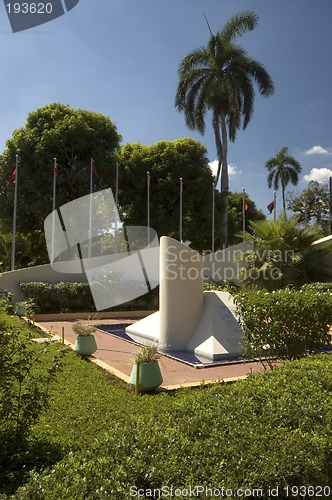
[
  {"x": 77, "y": 297},
  {"x": 271, "y": 430},
  {"x": 318, "y": 287},
  {"x": 285, "y": 324}
]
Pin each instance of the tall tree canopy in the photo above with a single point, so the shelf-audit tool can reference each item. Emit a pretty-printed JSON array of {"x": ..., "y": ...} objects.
[
  {"x": 72, "y": 136},
  {"x": 311, "y": 205},
  {"x": 167, "y": 162},
  {"x": 283, "y": 168},
  {"x": 220, "y": 78}
]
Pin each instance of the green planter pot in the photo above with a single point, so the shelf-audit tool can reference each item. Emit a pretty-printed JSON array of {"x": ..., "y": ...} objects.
[
  {"x": 85, "y": 345},
  {"x": 150, "y": 376},
  {"x": 20, "y": 310}
]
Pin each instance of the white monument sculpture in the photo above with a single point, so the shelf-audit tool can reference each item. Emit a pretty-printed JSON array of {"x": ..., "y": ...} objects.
[{"x": 189, "y": 319}]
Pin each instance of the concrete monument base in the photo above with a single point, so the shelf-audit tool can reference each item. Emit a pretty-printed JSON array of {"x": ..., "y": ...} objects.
[{"x": 189, "y": 319}]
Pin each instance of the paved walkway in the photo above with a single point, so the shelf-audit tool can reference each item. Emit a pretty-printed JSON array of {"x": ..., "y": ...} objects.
[{"x": 117, "y": 355}]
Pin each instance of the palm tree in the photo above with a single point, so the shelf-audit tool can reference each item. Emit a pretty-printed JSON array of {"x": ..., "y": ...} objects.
[
  {"x": 283, "y": 169},
  {"x": 219, "y": 78},
  {"x": 283, "y": 254}
]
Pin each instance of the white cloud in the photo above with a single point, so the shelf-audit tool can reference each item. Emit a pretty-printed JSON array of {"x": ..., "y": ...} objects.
[
  {"x": 318, "y": 174},
  {"x": 318, "y": 150},
  {"x": 232, "y": 169}
]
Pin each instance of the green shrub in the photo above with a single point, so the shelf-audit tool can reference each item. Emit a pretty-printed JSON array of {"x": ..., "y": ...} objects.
[
  {"x": 221, "y": 286},
  {"x": 272, "y": 429},
  {"x": 318, "y": 287},
  {"x": 77, "y": 297},
  {"x": 285, "y": 324},
  {"x": 59, "y": 297},
  {"x": 26, "y": 370}
]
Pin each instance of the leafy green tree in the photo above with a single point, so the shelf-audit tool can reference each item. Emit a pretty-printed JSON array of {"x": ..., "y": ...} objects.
[
  {"x": 73, "y": 137},
  {"x": 283, "y": 254},
  {"x": 167, "y": 162},
  {"x": 283, "y": 169},
  {"x": 235, "y": 216},
  {"x": 220, "y": 78},
  {"x": 311, "y": 205},
  {"x": 26, "y": 250}
]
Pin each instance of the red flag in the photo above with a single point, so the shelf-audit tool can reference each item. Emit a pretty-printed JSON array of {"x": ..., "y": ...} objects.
[
  {"x": 95, "y": 172},
  {"x": 55, "y": 169},
  {"x": 270, "y": 206},
  {"x": 14, "y": 176},
  {"x": 246, "y": 206}
]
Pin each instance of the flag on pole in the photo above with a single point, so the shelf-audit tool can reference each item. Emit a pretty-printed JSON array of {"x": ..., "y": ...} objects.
[
  {"x": 15, "y": 182},
  {"x": 55, "y": 173},
  {"x": 270, "y": 207},
  {"x": 148, "y": 184},
  {"x": 213, "y": 212},
  {"x": 116, "y": 183},
  {"x": 244, "y": 209},
  {"x": 55, "y": 167},
  {"x": 181, "y": 191},
  {"x": 116, "y": 205},
  {"x": 92, "y": 169},
  {"x": 330, "y": 187},
  {"x": 95, "y": 172}
]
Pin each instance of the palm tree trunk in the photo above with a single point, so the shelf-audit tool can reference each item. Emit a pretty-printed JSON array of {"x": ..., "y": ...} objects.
[
  {"x": 283, "y": 200},
  {"x": 216, "y": 129},
  {"x": 224, "y": 183}
]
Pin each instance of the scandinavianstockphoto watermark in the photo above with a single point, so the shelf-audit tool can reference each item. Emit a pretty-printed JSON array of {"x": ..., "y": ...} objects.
[
  {"x": 24, "y": 15},
  {"x": 224, "y": 265}
]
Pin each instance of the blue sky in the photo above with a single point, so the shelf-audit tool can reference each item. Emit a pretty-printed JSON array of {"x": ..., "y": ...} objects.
[{"x": 120, "y": 58}]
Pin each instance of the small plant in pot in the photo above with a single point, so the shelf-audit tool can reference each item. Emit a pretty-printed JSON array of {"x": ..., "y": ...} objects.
[
  {"x": 145, "y": 374},
  {"x": 85, "y": 344},
  {"x": 25, "y": 308}
]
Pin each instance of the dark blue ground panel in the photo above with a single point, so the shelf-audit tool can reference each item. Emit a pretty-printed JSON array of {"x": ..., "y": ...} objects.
[{"x": 119, "y": 330}]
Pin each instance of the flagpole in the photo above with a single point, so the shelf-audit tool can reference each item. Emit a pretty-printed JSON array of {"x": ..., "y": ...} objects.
[
  {"x": 116, "y": 204},
  {"x": 331, "y": 205},
  {"x": 14, "y": 215},
  {"x": 90, "y": 208},
  {"x": 275, "y": 205},
  {"x": 148, "y": 206},
  {"x": 243, "y": 213},
  {"x": 55, "y": 166},
  {"x": 181, "y": 189},
  {"x": 116, "y": 184},
  {"x": 213, "y": 209}
]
